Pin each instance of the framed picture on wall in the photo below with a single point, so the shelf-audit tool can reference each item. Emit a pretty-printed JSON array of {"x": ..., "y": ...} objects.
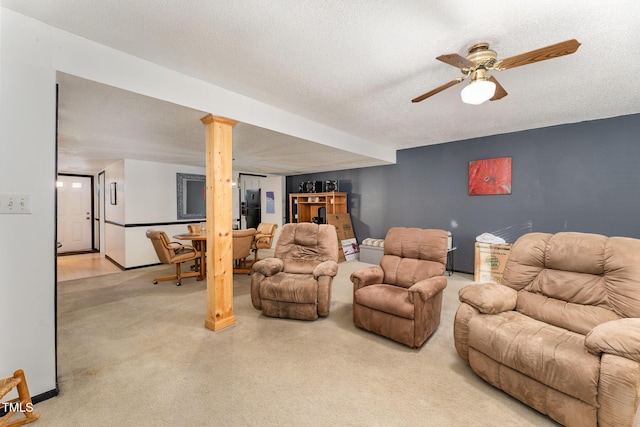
[
  {"x": 490, "y": 176},
  {"x": 112, "y": 193},
  {"x": 271, "y": 202},
  {"x": 191, "y": 196}
]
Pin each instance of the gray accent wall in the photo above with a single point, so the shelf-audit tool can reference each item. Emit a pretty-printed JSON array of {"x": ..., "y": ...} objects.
[{"x": 574, "y": 177}]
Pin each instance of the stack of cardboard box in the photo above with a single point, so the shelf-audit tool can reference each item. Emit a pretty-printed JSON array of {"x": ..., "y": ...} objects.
[{"x": 490, "y": 260}]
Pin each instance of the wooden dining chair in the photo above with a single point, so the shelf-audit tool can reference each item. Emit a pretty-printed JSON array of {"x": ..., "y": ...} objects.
[
  {"x": 242, "y": 241},
  {"x": 263, "y": 238},
  {"x": 196, "y": 229},
  {"x": 19, "y": 405},
  {"x": 172, "y": 253}
]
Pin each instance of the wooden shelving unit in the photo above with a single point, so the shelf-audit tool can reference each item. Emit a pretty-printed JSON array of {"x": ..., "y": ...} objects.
[{"x": 304, "y": 206}]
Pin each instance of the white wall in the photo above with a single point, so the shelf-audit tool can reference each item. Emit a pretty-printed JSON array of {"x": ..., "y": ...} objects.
[
  {"x": 115, "y": 243},
  {"x": 277, "y": 185},
  {"x": 114, "y": 238},
  {"x": 27, "y": 166},
  {"x": 152, "y": 191},
  {"x": 146, "y": 198},
  {"x": 114, "y": 173},
  {"x": 31, "y": 53}
]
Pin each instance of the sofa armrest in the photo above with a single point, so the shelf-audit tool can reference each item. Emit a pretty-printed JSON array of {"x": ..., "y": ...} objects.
[
  {"x": 620, "y": 337},
  {"x": 463, "y": 316},
  {"x": 427, "y": 288},
  {"x": 268, "y": 266},
  {"x": 325, "y": 268},
  {"x": 489, "y": 298},
  {"x": 367, "y": 276}
]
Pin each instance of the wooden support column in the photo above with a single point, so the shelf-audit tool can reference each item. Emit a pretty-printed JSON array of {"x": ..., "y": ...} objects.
[{"x": 219, "y": 204}]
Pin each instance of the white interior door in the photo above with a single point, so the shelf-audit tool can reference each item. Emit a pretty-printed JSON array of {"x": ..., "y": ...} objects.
[{"x": 74, "y": 213}]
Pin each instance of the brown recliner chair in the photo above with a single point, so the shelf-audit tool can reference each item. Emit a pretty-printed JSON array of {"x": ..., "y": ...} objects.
[
  {"x": 263, "y": 238},
  {"x": 401, "y": 298},
  {"x": 242, "y": 241},
  {"x": 172, "y": 253},
  {"x": 561, "y": 333},
  {"x": 296, "y": 283}
]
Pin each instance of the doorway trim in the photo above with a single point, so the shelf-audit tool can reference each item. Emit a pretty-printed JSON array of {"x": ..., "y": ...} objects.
[{"x": 92, "y": 215}]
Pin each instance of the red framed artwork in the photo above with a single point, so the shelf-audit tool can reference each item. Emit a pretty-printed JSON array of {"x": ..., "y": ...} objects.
[{"x": 490, "y": 176}]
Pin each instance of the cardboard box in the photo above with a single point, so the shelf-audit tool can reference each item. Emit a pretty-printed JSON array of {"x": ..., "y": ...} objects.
[
  {"x": 490, "y": 260},
  {"x": 344, "y": 228},
  {"x": 350, "y": 249}
]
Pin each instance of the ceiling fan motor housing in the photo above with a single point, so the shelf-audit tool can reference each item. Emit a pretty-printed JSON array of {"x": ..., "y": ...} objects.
[{"x": 482, "y": 56}]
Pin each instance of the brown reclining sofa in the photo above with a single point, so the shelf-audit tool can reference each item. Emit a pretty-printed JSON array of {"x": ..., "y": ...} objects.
[{"x": 561, "y": 333}]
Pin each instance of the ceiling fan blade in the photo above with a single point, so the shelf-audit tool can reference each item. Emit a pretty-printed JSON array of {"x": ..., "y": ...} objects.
[
  {"x": 500, "y": 92},
  {"x": 456, "y": 60},
  {"x": 438, "y": 89},
  {"x": 549, "y": 52}
]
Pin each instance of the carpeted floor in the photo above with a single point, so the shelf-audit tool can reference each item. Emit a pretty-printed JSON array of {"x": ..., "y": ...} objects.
[{"x": 131, "y": 353}]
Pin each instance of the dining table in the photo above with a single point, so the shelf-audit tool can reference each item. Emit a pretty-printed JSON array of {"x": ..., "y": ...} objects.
[{"x": 199, "y": 241}]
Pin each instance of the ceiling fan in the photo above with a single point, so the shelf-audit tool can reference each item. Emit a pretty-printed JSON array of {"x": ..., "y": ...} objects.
[{"x": 480, "y": 60}]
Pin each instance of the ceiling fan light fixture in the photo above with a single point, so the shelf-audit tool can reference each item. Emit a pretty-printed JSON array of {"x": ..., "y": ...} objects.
[{"x": 478, "y": 91}]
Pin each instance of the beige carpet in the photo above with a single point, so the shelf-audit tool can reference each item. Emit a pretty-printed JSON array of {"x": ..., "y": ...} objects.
[{"x": 131, "y": 353}]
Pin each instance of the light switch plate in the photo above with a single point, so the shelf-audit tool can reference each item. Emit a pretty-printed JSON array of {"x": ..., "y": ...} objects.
[{"x": 15, "y": 203}]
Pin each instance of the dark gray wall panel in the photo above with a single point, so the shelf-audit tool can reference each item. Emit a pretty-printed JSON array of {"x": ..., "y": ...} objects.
[{"x": 576, "y": 177}]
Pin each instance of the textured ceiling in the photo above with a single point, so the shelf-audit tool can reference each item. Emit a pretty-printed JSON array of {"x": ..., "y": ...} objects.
[
  {"x": 352, "y": 66},
  {"x": 100, "y": 124}
]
